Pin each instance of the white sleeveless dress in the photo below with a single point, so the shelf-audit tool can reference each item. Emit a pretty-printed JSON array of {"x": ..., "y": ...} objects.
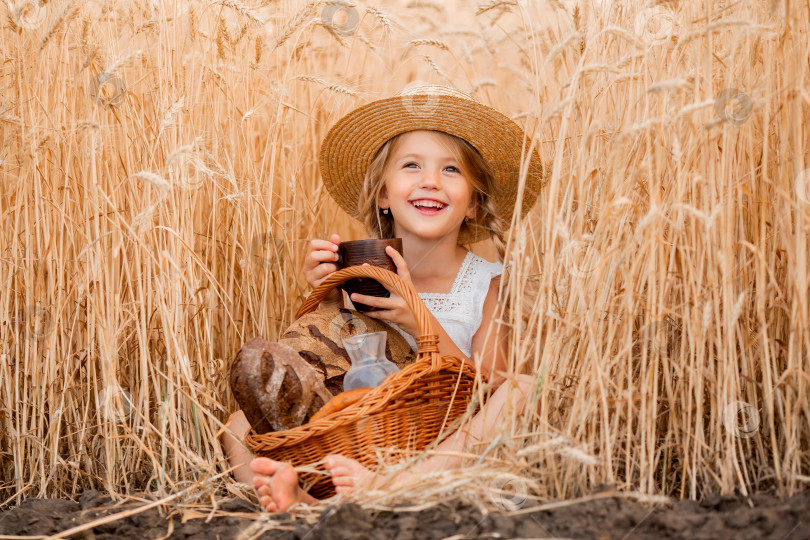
[{"x": 460, "y": 310}]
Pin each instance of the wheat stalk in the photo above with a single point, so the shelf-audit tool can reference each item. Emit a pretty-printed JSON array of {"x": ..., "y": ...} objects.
[{"x": 657, "y": 292}]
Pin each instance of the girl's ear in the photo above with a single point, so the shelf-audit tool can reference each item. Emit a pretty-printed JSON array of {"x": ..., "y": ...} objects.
[
  {"x": 382, "y": 199},
  {"x": 472, "y": 208}
]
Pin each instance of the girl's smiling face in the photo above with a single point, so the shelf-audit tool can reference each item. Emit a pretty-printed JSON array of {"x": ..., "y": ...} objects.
[{"x": 427, "y": 192}]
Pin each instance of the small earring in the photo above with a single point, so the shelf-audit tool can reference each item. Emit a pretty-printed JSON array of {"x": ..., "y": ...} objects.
[{"x": 385, "y": 211}]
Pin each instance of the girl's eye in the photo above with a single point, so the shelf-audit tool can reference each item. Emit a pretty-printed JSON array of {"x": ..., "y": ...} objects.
[
  {"x": 410, "y": 165},
  {"x": 452, "y": 169}
]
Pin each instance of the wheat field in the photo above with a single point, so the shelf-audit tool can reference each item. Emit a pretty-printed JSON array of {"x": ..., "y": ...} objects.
[{"x": 159, "y": 184}]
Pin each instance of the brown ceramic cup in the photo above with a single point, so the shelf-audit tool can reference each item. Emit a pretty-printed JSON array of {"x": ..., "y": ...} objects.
[{"x": 359, "y": 252}]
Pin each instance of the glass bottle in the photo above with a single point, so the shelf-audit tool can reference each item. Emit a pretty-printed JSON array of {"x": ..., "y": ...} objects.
[{"x": 369, "y": 365}]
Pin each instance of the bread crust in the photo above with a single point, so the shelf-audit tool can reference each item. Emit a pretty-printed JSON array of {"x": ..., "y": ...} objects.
[{"x": 274, "y": 386}]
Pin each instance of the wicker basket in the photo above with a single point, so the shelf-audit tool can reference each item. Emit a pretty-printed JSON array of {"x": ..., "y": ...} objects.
[{"x": 407, "y": 412}]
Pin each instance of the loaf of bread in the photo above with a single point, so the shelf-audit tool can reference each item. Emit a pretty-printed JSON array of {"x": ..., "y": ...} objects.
[{"x": 275, "y": 387}]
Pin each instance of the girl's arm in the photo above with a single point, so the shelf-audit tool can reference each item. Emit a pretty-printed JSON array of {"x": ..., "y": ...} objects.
[{"x": 490, "y": 342}]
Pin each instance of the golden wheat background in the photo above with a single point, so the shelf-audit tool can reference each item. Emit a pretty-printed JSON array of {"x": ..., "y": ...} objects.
[{"x": 159, "y": 184}]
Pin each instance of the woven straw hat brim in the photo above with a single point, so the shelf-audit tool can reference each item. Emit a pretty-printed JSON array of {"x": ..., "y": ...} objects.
[{"x": 351, "y": 144}]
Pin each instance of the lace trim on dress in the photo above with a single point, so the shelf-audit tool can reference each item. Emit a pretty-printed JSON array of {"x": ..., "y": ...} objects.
[{"x": 444, "y": 302}]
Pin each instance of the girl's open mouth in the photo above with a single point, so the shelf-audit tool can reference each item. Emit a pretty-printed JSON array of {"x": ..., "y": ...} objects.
[{"x": 428, "y": 207}]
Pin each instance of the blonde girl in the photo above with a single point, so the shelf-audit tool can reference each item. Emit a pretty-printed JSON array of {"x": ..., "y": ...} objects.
[{"x": 439, "y": 170}]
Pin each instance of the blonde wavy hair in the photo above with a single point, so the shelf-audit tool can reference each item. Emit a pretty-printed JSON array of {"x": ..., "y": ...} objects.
[{"x": 475, "y": 169}]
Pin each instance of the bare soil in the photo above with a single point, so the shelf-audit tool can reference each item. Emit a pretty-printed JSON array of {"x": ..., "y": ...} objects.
[{"x": 606, "y": 515}]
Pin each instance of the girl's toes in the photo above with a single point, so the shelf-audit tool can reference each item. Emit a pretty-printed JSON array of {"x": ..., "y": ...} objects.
[
  {"x": 267, "y": 502},
  {"x": 343, "y": 481},
  {"x": 334, "y": 461},
  {"x": 260, "y": 481},
  {"x": 340, "y": 471},
  {"x": 265, "y": 466}
]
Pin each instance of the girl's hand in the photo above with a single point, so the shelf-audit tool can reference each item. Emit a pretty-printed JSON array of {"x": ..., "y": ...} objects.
[
  {"x": 393, "y": 309},
  {"x": 320, "y": 262}
]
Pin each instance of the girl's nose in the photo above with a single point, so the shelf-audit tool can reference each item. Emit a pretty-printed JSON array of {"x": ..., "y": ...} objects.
[{"x": 431, "y": 178}]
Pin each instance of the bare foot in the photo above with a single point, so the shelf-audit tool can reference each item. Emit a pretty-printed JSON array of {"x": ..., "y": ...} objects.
[
  {"x": 277, "y": 485},
  {"x": 348, "y": 475}
]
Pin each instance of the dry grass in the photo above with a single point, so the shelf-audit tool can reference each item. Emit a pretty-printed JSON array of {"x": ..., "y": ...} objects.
[{"x": 158, "y": 184}]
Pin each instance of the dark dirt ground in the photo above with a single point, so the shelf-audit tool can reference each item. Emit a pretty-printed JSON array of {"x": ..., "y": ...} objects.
[{"x": 605, "y": 515}]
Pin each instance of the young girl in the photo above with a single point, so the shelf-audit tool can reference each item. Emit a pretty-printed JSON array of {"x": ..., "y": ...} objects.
[{"x": 439, "y": 170}]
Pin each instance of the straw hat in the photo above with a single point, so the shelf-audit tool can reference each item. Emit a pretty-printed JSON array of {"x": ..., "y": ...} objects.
[{"x": 351, "y": 144}]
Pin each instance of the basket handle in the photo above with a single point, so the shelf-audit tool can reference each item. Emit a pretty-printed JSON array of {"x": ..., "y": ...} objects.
[{"x": 428, "y": 340}]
